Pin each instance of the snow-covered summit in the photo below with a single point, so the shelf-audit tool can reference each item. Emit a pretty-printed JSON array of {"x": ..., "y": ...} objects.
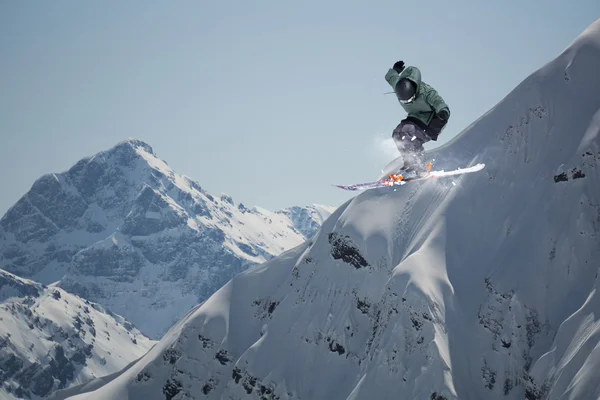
[
  {"x": 123, "y": 229},
  {"x": 482, "y": 289},
  {"x": 50, "y": 339}
]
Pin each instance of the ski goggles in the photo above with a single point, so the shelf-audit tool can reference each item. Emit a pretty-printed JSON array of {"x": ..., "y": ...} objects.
[{"x": 409, "y": 100}]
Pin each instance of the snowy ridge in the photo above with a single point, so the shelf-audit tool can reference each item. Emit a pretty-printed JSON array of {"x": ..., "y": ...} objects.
[
  {"x": 50, "y": 339},
  {"x": 123, "y": 229},
  {"x": 308, "y": 220},
  {"x": 483, "y": 290}
]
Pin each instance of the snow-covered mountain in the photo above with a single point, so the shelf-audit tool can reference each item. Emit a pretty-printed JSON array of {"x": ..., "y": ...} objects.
[
  {"x": 50, "y": 339},
  {"x": 124, "y": 230},
  {"x": 483, "y": 286}
]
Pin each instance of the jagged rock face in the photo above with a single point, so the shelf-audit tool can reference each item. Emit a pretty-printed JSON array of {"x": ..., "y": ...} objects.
[
  {"x": 50, "y": 339},
  {"x": 483, "y": 286},
  {"x": 122, "y": 229}
]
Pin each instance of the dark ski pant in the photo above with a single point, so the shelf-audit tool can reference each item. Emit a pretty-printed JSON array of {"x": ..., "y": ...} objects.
[{"x": 409, "y": 139}]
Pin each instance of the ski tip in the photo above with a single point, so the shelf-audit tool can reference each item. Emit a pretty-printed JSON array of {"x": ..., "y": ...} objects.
[
  {"x": 345, "y": 187},
  {"x": 475, "y": 167}
]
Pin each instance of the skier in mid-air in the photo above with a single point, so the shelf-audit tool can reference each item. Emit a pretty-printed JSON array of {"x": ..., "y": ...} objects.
[{"x": 428, "y": 114}]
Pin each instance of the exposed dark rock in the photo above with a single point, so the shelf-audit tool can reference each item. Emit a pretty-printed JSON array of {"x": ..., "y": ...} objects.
[
  {"x": 272, "y": 306},
  {"x": 530, "y": 395},
  {"x": 62, "y": 369},
  {"x": 149, "y": 201},
  {"x": 249, "y": 384},
  {"x": 336, "y": 348},
  {"x": 489, "y": 376},
  {"x": 208, "y": 387},
  {"x": 533, "y": 326},
  {"x": 363, "y": 306},
  {"x": 171, "y": 388},
  {"x": 435, "y": 396},
  {"x": 247, "y": 249},
  {"x": 416, "y": 323},
  {"x": 77, "y": 322},
  {"x": 562, "y": 177},
  {"x": 206, "y": 343},
  {"x": 342, "y": 248},
  {"x": 171, "y": 355},
  {"x": 533, "y": 393},
  {"x": 143, "y": 376},
  {"x": 88, "y": 321},
  {"x": 223, "y": 357},
  {"x": 227, "y": 199},
  {"x": 59, "y": 206},
  {"x": 200, "y": 208},
  {"x": 79, "y": 357},
  {"x": 40, "y": 379},
  {"x": 22, "y": 393},
  {"x": 577, "y": 174},
  {"x": 9, "y": 366},
  {"x": 27, "y": 224},
  {"x": 265, "y": 391},
  {"x": 508, "y": 385},
  {"x": 236, "y": 375}
]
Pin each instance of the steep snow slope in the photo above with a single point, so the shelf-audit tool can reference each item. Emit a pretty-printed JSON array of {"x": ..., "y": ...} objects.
[
  {"x": 487, "y": 289},
  {"x": 123, "y": 229},
  {"x": 50, "y": 339}
]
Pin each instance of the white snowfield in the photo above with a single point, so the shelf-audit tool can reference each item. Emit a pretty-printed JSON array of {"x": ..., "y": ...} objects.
[{"x": 487, "y": 289}]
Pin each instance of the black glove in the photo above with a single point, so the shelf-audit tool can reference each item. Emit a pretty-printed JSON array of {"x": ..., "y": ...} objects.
[
  {"x": 437, "y": 123},
  {"x": 398, "y": 66}
]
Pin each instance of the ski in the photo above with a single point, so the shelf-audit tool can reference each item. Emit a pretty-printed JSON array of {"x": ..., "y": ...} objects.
[{"x": 396, "y": 179}]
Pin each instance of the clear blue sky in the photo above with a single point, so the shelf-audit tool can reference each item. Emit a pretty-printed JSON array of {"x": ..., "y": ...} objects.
[{"x": 267, "y": 101}]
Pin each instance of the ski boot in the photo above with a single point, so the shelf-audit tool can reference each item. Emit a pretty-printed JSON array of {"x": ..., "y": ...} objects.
[
  {"x": 412, "y": 171},
  {"x": 414, "y": 165}
]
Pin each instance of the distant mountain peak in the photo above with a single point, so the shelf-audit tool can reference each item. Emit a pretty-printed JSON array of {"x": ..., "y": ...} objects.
[
  {"x": 122, "y": 221},
  {"x": 132, "y": 143}
]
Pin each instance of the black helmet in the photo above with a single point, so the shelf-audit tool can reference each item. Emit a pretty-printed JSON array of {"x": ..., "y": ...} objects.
[{"x": 405, "y": 90}]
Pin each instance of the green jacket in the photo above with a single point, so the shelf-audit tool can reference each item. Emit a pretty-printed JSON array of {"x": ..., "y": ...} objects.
[{"x": 427, "y": 102}]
